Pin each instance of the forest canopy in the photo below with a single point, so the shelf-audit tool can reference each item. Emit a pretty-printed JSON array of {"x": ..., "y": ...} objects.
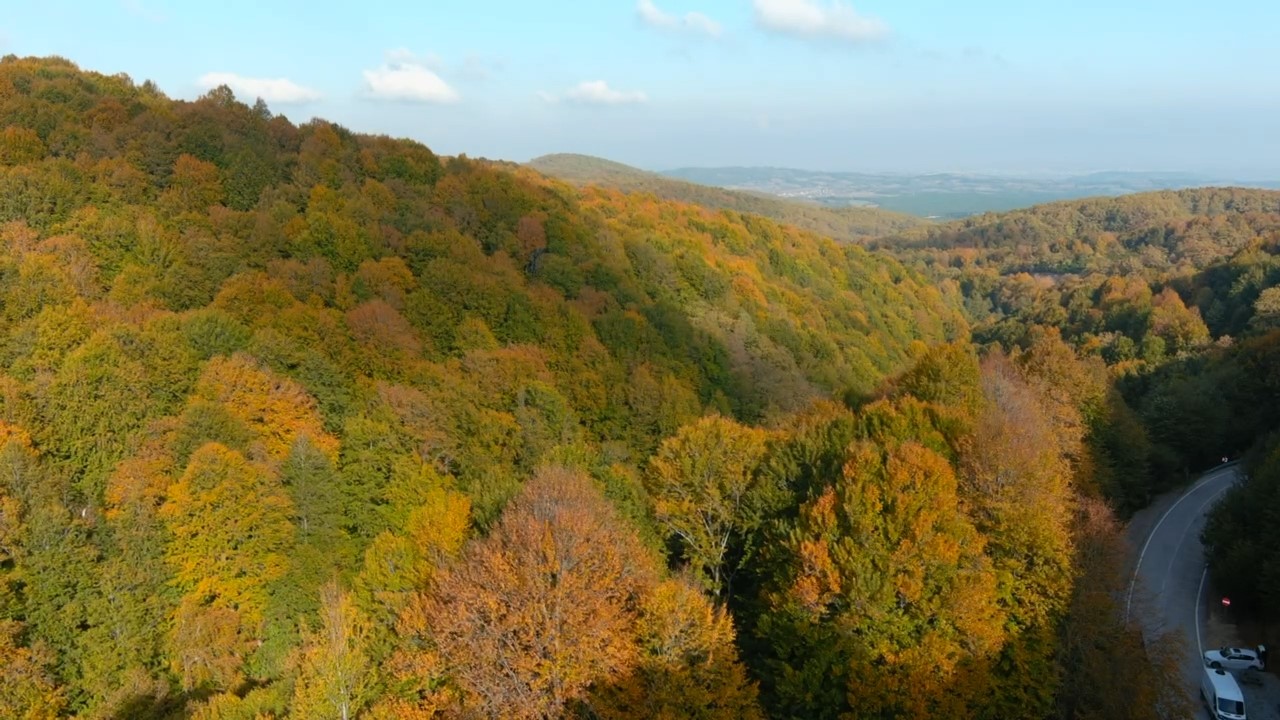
[{"x": 297, "y": 422}]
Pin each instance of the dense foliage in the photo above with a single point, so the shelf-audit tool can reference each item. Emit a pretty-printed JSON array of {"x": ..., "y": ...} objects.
[
  {"x": 1160, "y": 286},
  {"x": 1241, "y": 537},
  {"x": 1179, "y": 293},
  {"x": 301, "y": 423},
  {"x": 1242, "y": 534}
]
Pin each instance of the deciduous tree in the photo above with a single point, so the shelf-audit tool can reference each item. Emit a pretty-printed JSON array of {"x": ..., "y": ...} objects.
[
  {"x": 687, "y": 666},
  {"x": 276, "y": 409},
  {"x": 27, "y": 689},
  {"x": 884, "y": 603},
  {"x": 335, "y": 673},
  {"x": 702, "y": 482},
  {"x": 545, "y": 606},
  {"x": 230, "y": 529},
  {"x": 1016, "y": 484}
]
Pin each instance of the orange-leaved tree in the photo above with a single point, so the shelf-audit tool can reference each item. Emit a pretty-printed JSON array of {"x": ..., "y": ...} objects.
[
  {"x": 688, "y": 665},
  {"x": 276, "y": 409},
  {"x": 544, "y": 606}
]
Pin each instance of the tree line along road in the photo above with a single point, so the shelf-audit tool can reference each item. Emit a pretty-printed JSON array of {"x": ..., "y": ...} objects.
[{"x": 1168, "y": 588}]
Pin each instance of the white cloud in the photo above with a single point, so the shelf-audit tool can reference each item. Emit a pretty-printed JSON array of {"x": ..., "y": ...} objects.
[
  {"x": 655, "y": 17},
  {"x": 406, "y": 77},
  {"x": 598, "y": 92},
  {"x": 694, "y": 22},
  {"x": 808, "y": 19},
  {"x": 273, "y": 90},
  {"x": 698, "y": 22}
]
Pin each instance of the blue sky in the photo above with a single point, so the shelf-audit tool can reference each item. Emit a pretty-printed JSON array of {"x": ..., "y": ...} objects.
[{"x": 902, "y": 85}]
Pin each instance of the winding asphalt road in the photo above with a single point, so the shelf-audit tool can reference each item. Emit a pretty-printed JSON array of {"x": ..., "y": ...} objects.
[{"x": 1169, "y": 578}]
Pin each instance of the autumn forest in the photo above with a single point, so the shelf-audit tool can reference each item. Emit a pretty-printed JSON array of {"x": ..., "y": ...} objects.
[{"x": 297, "y": 422}]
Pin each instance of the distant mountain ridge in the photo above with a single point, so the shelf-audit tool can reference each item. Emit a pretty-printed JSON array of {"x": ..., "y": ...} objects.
[
  {"x": 944, "y": 195},
  {"x": 840, "y": 223}
]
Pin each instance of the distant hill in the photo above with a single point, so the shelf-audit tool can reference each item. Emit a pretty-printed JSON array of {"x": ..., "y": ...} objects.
[
  {"x": 1177, "y": 291},
  {"x": 841, "y": 223},
  {"x": 1099, "y": 234},
  {"x": 1137, "y": 279},
  {"x": 590, "y": 169},
  {"x": 940, "y": 195},
  {"x": 1048, "y": 264}
]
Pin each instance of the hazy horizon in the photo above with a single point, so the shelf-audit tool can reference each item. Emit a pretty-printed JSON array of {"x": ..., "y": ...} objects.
[
  {"x": 992, "y": 87},
  {"x": 1268, "y": 177}
]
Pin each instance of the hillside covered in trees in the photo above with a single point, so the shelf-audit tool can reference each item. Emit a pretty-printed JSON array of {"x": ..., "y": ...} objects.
[
  {"x": 847, "y": 224},
  {"x": 1179, "y": 293},
  {"x": 302, "y": 423},
  {"x": 1169, "y": 289}
]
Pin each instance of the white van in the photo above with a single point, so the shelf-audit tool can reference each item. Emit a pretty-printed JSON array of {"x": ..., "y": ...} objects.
[{"x": 1222, "y": 695}]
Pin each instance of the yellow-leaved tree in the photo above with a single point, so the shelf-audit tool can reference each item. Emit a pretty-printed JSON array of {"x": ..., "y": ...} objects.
[
  {"x": 335, "y": 672},
  {"x": 399, "y": 570},
  {"x": 886, "y": 604},
  {"x": 703, "y": 482},
  {"x": 1016, "y": 482},
  {"x": 27, "y": 689},
  {"x": 231, "y": 534}
]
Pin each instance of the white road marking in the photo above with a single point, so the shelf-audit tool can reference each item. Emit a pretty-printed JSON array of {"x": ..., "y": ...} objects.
[
  {"x": 1178, "y": 550},
  {"x": 1132, "y": 581},
  {"x": 1199, "y": 594}
]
